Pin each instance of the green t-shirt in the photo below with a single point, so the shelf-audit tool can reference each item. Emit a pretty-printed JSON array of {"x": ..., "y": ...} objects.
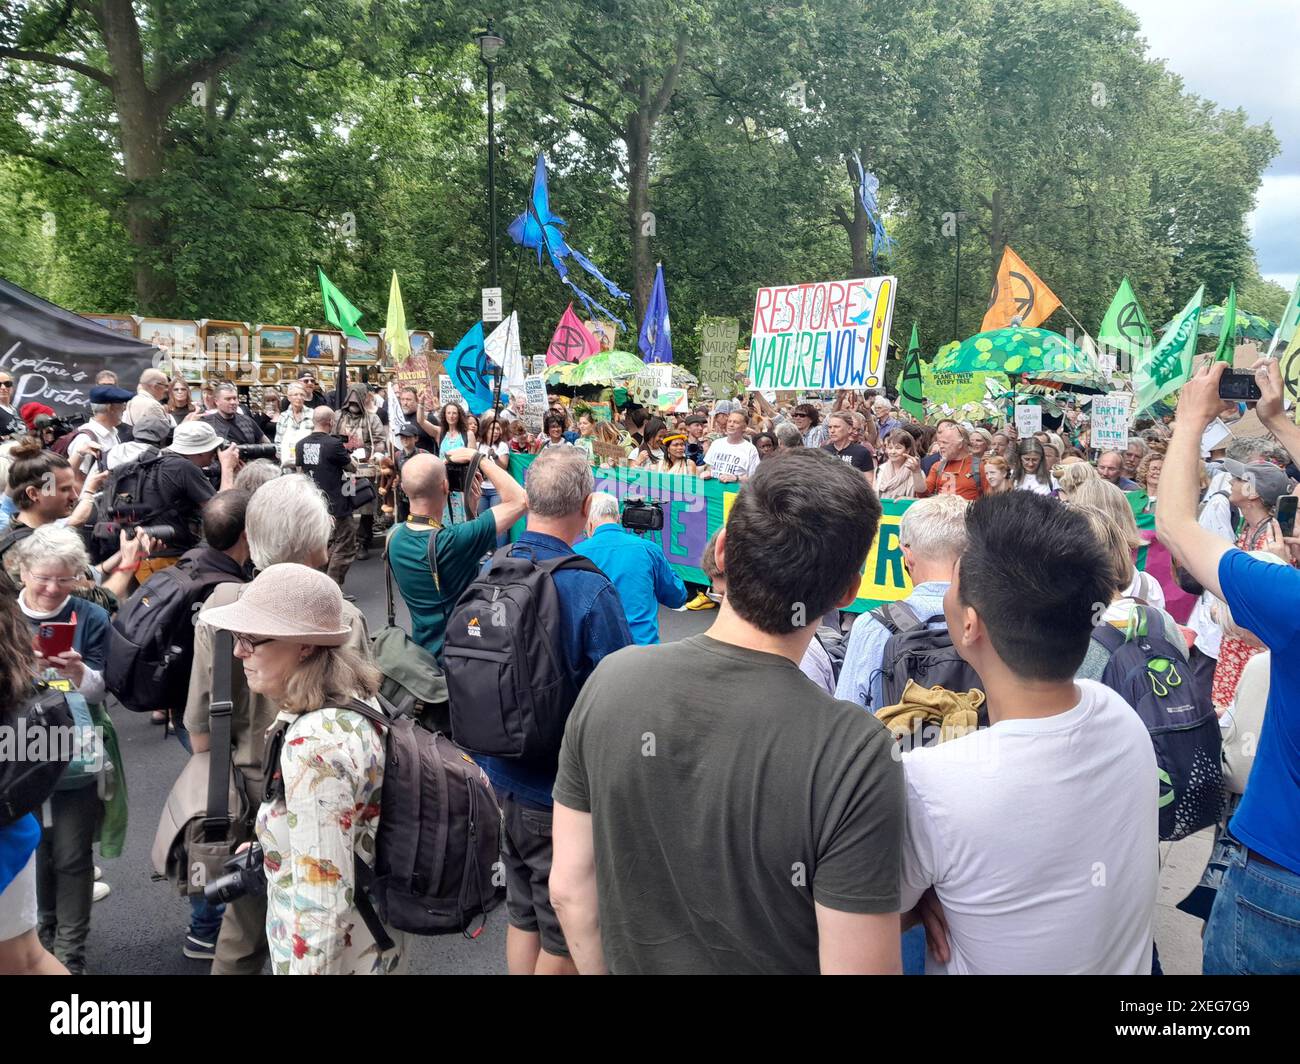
[
  {"x": 460, "y": 553},
  {"x": 724, "y": 805}
]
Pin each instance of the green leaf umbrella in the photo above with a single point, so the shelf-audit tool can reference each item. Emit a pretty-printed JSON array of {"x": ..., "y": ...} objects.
[
  {"x": 1015, "y": 351},
  {"x": 1249, "y": 326},
  {"x": 602, "y": 369}
]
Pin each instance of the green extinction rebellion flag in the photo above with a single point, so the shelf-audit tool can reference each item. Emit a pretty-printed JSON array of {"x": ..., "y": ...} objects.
[
  {"x": 1125, "y": 327},
  {"x": 338, "y": 311},
  {"x": 910, "y": 396},
  {"x": 1170, "y": 364},
  {"x": 1290, "y": 319},
  {"x": 1228, "y": 334}
]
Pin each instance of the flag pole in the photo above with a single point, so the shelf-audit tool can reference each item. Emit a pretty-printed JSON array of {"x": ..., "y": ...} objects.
[{"x": 341, "y": 385}]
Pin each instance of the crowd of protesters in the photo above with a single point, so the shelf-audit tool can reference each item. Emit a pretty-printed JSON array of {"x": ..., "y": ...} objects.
[{"x": 824, "y": 790}]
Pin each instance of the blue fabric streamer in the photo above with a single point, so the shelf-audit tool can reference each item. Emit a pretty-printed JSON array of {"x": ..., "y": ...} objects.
[{"x": 868, "y": 196}]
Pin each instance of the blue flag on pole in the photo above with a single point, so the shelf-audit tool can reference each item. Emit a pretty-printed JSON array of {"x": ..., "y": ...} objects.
[
  {"x": 656, "y": 340},
  {"x": 471, "y": 371}
]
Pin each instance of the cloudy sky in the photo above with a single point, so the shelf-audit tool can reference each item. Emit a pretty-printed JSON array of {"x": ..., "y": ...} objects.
[{"x": 1245, "y": 54}]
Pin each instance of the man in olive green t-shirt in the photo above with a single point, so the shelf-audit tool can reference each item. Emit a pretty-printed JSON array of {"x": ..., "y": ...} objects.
[
  {"x": 739, "y": 820},
  {"x": 460, "y": 547}
]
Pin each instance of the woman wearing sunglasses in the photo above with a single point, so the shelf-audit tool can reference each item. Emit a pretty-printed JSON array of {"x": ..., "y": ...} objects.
[
  {"x": 290, "y": 634},
  {"x": 10, "y": 423}
]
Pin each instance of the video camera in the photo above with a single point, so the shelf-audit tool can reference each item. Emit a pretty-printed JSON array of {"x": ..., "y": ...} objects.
[
  {"x": 642, "y": 516},
  {"x": 57, "y": 425},
  {"x": 251, "y": 452}
]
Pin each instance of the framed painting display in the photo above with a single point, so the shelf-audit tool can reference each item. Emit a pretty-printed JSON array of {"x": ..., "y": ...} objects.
[
  {"x": 364, "y": 351},
  {"x": 123, "y": 324},
  {"x": 276, "y": 343},
  {"x": 174, "y": 338},
  {"x": 322, "y": 346},
  {"x": 228, "y": 340},
  {"x": 270, "y": 373}
]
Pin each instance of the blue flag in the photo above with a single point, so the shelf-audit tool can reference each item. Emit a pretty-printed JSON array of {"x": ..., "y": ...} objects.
[
  {"x": 471, "y": 371},
  {"x": 656, "y": 340}
]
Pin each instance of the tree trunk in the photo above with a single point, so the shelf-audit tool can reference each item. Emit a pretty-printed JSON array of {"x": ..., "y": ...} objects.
[
  {"x": 142, "y": 119},
  {"x": 997, "y": 234},
  {"x": 641, "y": 221}
]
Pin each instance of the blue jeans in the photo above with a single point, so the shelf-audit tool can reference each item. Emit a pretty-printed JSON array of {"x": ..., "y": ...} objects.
[
  {"x": 489, "y": 499},
  {"x": 1254, "y": 927},
  {"x": 205, "y": 918}
]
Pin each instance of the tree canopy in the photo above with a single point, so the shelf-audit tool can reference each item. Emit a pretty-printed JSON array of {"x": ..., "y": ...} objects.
[{"x": 198, "y": 159}]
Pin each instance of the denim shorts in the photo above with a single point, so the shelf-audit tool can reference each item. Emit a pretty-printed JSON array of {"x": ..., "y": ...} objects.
[{"x": 527, "y": 851}]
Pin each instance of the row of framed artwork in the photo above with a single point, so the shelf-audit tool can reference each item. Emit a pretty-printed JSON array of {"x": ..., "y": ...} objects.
[
  {"x": 239, "y": 342},
  {"x": 198, "y": 372}
]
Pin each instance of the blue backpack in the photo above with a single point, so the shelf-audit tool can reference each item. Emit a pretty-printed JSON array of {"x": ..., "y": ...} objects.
[{"x": 1149, "y": 673}]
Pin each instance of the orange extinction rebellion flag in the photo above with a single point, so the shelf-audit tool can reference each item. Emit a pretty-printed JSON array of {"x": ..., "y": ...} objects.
[{"x": 1018, "y": 292}]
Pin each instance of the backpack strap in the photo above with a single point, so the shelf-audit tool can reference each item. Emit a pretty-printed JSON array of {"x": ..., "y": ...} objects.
[
  {"x": 363, "y": 873},
  {"x": 216, "y": 822},
  {"x": 1110, "y": 637},
  {"x": 898, "y": 617}
]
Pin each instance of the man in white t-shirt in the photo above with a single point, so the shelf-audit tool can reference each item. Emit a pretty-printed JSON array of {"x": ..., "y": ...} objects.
[
  {"x": 733, "y": 457},
  {"x": 1037, "y": 834}
]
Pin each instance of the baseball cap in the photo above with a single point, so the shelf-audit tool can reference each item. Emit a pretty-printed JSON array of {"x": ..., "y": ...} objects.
[
  {"x": 1268, "y": 481},
  {"x": 408, "y": 429},
  {"x": 194, "y": 437}
]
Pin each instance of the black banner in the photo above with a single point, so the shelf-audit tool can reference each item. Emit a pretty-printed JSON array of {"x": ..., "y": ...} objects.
[{"x": 54, "y": 355}]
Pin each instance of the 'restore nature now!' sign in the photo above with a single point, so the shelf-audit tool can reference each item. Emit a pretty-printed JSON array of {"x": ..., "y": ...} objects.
[{"x": 822, "y": 336}]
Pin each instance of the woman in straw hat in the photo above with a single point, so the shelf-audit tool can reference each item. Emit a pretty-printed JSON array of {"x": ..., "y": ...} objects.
[{"x": 289, "y": 631}]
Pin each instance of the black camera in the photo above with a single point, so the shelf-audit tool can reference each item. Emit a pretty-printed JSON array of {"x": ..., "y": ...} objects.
[
  {"x": 251, "y": 452},
  {"x": 166, "y": 533},
  {"x": 1239, "y": 385},
  {"x": 246, "y": 878},
  {"x": 642, "y": 516}
]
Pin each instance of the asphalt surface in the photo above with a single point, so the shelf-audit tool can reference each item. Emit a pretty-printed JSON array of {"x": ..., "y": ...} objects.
[{"x": 140, "y": 927}]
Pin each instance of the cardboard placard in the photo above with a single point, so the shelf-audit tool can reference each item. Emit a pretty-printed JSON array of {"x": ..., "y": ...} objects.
[
  {"x": 449, "y": 393},
  {"x": 718, "y": 341},
  {"x": 1110, "y": 421},
  {"x": 535, "y": 392}
]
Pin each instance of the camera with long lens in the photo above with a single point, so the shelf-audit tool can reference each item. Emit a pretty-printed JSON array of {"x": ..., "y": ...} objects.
[
  {"x": 251, "y": 452},
  {"x": 126, "y": 516},
  {"x": 642, "y": 516},
  {"x": 245, "y": 878}
]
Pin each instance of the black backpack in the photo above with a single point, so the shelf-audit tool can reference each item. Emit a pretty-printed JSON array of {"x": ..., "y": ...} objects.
[
  {"x": 508, "y": 684},
  {"x": 43, "y": 724},
  {"x": 132, "y": 486},
  {"x": 1149, "y": 673},
  {"x": 916, "y": 651},
  {"x": 152, "y": 637},
  {"x": 438, "y": 841}
]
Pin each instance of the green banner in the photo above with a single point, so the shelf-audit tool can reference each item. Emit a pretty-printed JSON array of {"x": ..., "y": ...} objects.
[{"x": 694, "y": 509}]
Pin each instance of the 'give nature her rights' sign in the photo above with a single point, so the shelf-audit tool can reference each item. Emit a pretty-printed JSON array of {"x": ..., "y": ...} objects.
[{"x": 822, "y": 336}]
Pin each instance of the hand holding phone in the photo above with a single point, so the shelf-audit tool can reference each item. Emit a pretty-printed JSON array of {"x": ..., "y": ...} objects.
[
  {"x": 1286, "y": 513},
  {"x": 55, "y": 637}
]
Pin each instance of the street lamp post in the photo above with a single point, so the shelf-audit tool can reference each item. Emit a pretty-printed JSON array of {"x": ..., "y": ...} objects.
[{"x": 489, "y": 45}]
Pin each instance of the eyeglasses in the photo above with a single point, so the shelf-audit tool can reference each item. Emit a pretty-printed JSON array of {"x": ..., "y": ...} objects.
[
  {"x": 57, "y": 581},
  {"x": 6, "y": 384},
  {"x": 247, "y": 643}
]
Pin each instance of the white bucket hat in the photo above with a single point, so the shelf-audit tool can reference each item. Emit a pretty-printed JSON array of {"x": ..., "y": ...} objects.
[
  {"x": 290, "y": 602},
  {"x": 194, "y": 437}
]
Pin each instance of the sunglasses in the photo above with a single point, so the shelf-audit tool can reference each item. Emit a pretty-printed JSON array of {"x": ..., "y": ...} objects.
[
  {"x": 248, "y": 643},
  {"x": 6, "y": 384}
]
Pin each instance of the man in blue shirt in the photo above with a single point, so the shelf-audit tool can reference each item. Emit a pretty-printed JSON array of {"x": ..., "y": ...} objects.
[
  {"x": 636, "y": 567},
  {"x": 932, "y": 535},
  {"x": 560, "y": 486},
  {"x": 1254, "y": 926}
]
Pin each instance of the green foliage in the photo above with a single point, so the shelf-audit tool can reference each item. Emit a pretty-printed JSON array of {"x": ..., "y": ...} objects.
[{"x": 352, "y": 135}]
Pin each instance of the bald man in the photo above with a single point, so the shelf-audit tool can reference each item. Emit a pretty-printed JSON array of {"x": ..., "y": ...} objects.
[
  {"x": 459, "y": 547},
  {"x": 323, "y": 457},
  {"x": 1110, "y": 464}
]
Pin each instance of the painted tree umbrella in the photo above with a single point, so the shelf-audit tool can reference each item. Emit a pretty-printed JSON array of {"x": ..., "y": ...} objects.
[
  {"x": 1015, "y": 351},
  {"x": 1249, "y": 326},
  {"x": 604, "y": 368}
]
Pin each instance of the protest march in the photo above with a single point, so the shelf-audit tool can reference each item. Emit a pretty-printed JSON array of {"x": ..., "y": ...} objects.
[{"x": 675, "y": 554}]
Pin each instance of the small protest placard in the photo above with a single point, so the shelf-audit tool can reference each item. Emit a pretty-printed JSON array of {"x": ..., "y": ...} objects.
[
  {"x": 1110, "y": 418},
  {"x": 539, "y": 364},
  {"x": 1029, "y": 419},
  {"x": 535, "y": 392},
  {"x": 449, "y": 393}
]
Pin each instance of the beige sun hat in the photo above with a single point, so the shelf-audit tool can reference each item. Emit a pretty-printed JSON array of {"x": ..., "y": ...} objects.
[{"x": 290, "y": 602}]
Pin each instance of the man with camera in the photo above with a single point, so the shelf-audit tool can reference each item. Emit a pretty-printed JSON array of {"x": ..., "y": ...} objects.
[
  {"x": 324, "y": 458},
  {"x": 635, "y": 565},
  {"x": 166, "y": 490},
  {"x": 458, "y": 549},
  {"x": 232, "y": 423}
]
